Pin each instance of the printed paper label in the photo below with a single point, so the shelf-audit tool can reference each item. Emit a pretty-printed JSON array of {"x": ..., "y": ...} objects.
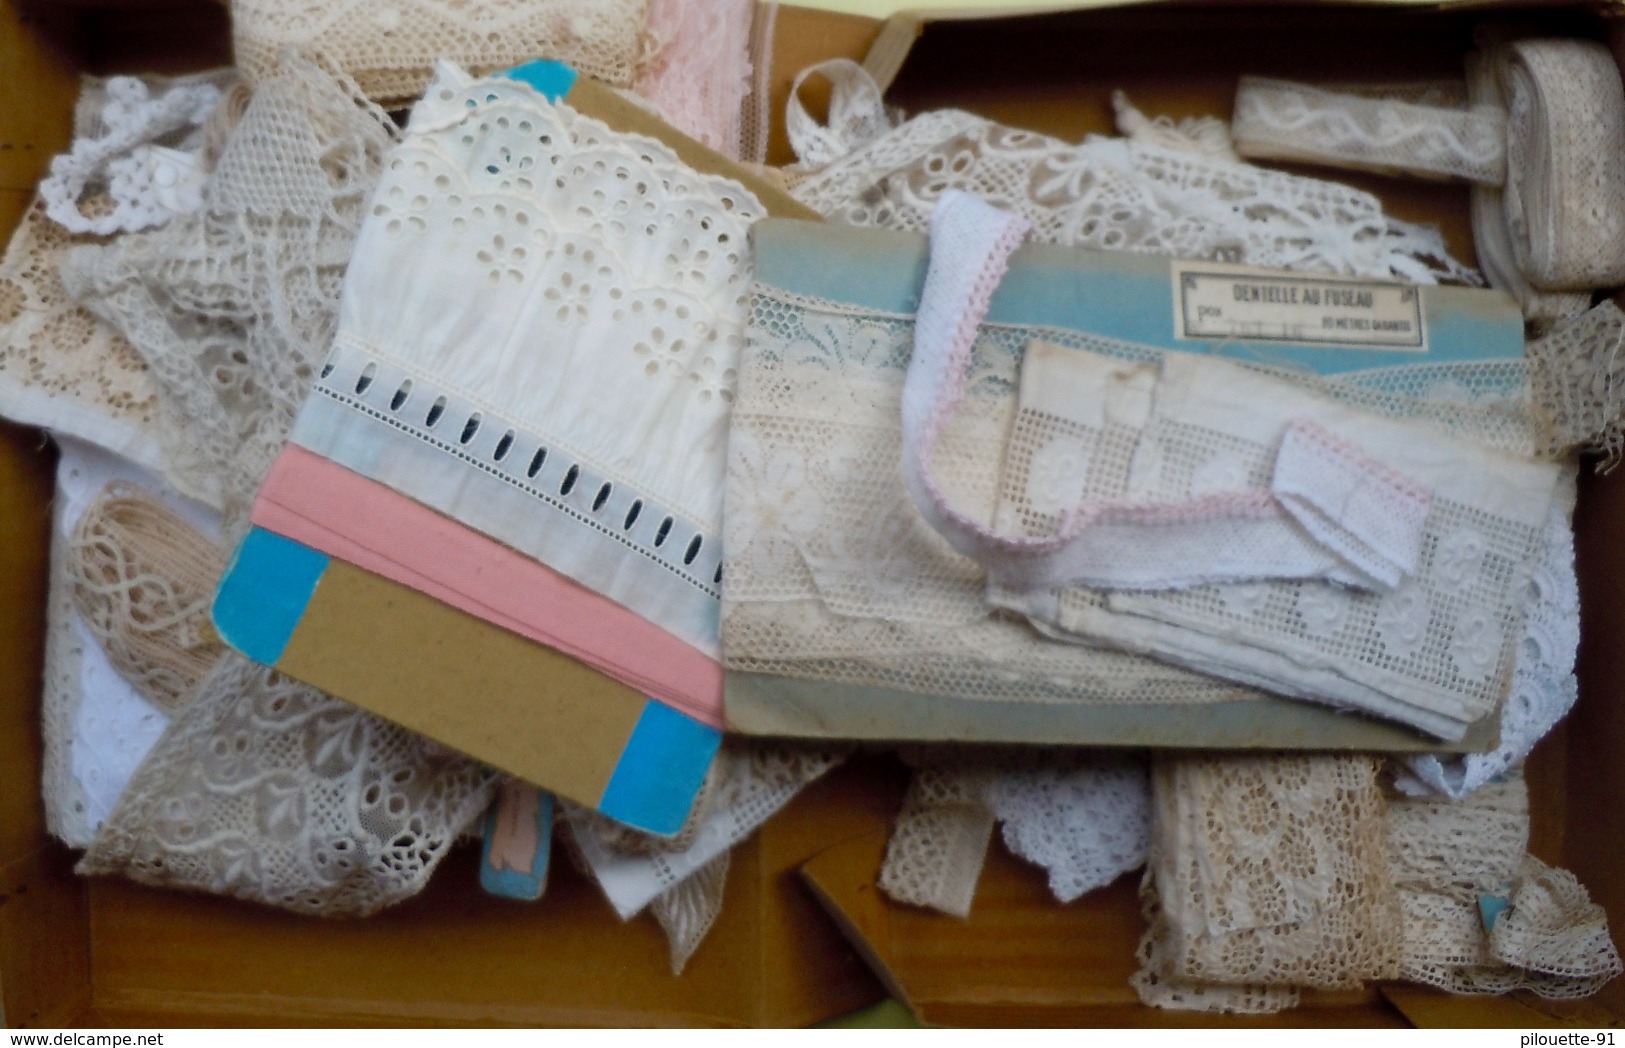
[{"x": 1245, "y": 305}]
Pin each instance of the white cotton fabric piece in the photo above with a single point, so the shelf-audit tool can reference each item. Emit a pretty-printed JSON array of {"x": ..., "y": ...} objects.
[
  {"x": 1543, "y": 688},
  {"x": 756, "y": 779},
  {"x": 97, "y": 728},
  {"x": 1435, "y": 652},
  {"x": 539, "y": 335}
]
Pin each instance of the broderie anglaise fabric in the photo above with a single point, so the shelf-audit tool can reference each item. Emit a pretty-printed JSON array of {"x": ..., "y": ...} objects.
[
  {"x": 1115, "y": 194},
  {"x": 270, "y": 791},
  {"x": 561, "y": 374},
  {"x": 1266, "y": 874},
  {"x": 1280, "y": 120},
  {"x": 1434, "y": 650},
  {"x": 232, "y": 307},
  {"x": 390, "y": 48}
]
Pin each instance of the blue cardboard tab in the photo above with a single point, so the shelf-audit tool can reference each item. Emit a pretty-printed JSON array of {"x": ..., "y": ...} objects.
[
  {"x": 264, "y": 593},
  {"x": 518, "y": 832},
  {"x": 552, "y": 79},
  {"x": 661, "y": 770}
]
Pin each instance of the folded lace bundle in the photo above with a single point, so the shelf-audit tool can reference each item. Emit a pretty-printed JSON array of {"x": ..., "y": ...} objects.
[
  {"x": 391, "y": 49},
  {"x": 1244, "y": 527},
  {"x": 1269, "y": 874}
]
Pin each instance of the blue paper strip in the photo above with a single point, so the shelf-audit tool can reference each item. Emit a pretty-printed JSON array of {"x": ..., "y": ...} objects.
[
  {"x": 552, "y": 79},
  {"x": 525, "y": 880},
  {"x": 661, "y": 770},
  {"x": 264, "y": 593}
]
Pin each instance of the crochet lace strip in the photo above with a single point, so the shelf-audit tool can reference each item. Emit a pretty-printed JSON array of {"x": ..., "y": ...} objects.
[
  {"x": 143, "y": 579},
  {"x": 391, "y": 48},
  {"x": 1279, "y": 120},
  {"x": 1578, "y": 375}
]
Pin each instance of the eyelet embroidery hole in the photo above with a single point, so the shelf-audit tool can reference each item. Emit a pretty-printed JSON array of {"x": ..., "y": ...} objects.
[
  {"x": 569, "y": 483},
  {"x": 665, "y": 530},
  {"x": 503, "y": 447},
  {"x": 365, "y": 379},
  {"x": 602, "y": 497},
  {"x": 692, "y": 551},
  {"x": 436, "y": 409},
  {"x": 400, "y": 396},
  {"x": 470, "y": 428},
  {"x": 632, "y": 514},
  {"x": 536, "y": 462}
]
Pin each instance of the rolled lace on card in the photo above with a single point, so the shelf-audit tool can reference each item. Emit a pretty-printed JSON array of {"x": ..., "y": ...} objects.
[{"x": 143, "y": 579}]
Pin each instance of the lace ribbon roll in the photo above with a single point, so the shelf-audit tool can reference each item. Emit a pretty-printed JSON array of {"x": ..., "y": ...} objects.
[
  {"x": 390, "y": 48},
  {"x": 1280, "y": 120},
  {"x": 1564, "y": 199},
  {"x": 143, "y": 579},
  {"x": 701, "y": 72}
]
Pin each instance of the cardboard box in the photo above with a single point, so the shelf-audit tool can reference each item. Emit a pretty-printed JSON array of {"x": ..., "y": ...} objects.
[{"x": 77, "y": 952}]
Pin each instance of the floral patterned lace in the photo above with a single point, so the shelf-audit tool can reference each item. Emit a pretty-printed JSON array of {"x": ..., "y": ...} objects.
[
  {"x": 390, "y": 48},
  {"x": 269, "y": 790}
]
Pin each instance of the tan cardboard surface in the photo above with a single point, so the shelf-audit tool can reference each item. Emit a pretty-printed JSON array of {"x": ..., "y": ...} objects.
[{"x": 491, "y": 694}]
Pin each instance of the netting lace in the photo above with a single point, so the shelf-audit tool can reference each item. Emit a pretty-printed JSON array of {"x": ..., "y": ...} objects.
[
  {"x": 390, "y": 48},
  {"x": 232, "y": 307},
  {"x": 1543, "y": 687},
  {"x": 270, "y": 791}
]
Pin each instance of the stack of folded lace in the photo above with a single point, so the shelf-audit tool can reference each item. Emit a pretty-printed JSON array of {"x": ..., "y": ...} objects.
[{"x": 215, "y": 248}]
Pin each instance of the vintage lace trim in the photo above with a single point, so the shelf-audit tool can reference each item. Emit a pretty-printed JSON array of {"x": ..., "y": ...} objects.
[
  {"x": 1564, "y": 200},
  {"x": 1435, "y": 651},
  {"x": 1268, "y": 872},
  {"x": 61, "y": 367},
  {"x": 1578, "y": 376},
  {"x": 233, "y": 307},
  {"x": 700, "y": 75},
  {"x": 145, "y": 155},
  {"x": 1116, "y": 194},
  {"x": 687, "y": 911},
  {"x": 1280, "y": 120},
  {"x": 97, "y": 729},
  {"x": 1084, "y": 817},
  {"x": 390, "y": 48},
  {"x": 1459, "y": 867},
  {"x": 1543, "y": 687},
  {"x": 270, "y": 791},
  {"x": 143, "y": 578}
]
